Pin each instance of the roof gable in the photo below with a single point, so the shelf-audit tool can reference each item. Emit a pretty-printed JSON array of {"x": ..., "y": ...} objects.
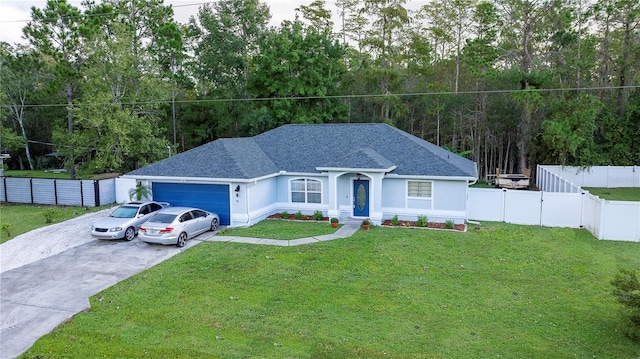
[
  {"x": 225, "y": 158},
  {"x": 363, "y": 158}
]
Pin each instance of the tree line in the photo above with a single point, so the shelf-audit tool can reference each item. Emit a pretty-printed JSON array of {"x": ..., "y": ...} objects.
[{"x": 115, "y": 85}]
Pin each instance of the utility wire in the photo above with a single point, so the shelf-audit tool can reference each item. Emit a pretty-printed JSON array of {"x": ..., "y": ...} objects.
[
  {"x": 107, "y": 13},
  {"x": 294, "y": 98}
]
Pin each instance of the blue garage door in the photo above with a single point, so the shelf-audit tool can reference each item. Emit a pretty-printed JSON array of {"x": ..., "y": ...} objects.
[{"x": 210, "y": 197}]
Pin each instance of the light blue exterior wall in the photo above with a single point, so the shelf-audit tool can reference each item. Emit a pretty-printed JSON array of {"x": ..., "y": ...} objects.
[
  {"x": 344, "y": 190},
  {"x": 263, "y": 194},
  {"x": 282, "y": 193},
  {"x": 394, "y": 192},
  {"x": 450, "y": 195},
  {"x": 260, "y": 199},
  {"x": 448, "y": 200}
]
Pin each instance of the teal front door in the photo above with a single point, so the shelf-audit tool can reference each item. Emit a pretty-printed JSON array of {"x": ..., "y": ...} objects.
[{"x": 361, "y": 198}]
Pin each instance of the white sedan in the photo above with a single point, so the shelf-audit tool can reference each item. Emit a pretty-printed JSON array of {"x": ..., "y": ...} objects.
[
  {"x": 124, "y": 221},
  {"x": 175, "y": 225}
]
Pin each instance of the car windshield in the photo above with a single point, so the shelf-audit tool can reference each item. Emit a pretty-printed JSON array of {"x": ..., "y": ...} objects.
[
  {"x": 125, "y": 212},
  {"x": 163, "y": 218}
]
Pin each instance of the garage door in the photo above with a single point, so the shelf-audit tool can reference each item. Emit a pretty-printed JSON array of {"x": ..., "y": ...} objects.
[{"x": 210, "y": 197}]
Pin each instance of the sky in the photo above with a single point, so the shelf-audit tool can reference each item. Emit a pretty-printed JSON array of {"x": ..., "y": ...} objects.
[{"x": 14, "y": 14}]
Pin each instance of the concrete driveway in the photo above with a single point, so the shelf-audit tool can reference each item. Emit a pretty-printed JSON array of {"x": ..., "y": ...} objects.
[
  {"x": 47, "y": 275},
  {"x": 39, "y": 296}
]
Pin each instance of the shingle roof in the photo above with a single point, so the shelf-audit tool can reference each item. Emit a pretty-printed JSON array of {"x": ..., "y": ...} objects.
[
  {"x": 362, "y": 158},
  {"x": 304, "y": 148}
]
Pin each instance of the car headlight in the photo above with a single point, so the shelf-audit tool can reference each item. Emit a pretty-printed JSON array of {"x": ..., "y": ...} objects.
[{"x": 115, "y": 229}]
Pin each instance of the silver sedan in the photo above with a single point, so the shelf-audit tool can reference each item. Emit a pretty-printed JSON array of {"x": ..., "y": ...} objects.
[
  {"x": 175, "y": 225},
  {"x": 124, "y": 221}
]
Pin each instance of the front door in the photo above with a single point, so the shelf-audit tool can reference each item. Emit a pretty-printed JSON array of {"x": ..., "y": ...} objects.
[{"x": 361, "y": 198}]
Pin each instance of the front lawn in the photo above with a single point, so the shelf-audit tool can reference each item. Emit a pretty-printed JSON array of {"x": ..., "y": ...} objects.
[
  {"x": 616, "y": 194},
  {"x": 501, "y": 291},
  {"x": 23, "y": 218},
  {"x": 282, "y": 229}
]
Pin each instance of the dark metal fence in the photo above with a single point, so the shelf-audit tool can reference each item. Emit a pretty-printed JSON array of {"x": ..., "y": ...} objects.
[{"x": 87, "y": 193}]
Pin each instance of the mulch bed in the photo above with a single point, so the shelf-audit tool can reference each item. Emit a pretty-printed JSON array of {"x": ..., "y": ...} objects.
[
  {"x": 304, "y": 217},
  {"x": 387, "y": 222}
]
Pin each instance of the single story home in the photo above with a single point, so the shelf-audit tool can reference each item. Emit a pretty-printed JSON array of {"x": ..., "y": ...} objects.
[{"x": 369, "y": 170}]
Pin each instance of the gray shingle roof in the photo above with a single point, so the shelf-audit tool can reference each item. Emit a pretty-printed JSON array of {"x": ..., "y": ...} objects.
[
  {"x": 361, "y": 158},
  {"x": 303, "y": 148}
]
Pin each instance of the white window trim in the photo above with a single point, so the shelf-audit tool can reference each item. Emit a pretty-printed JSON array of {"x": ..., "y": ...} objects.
[
  {"x": 417, "y": 197},
  {"x": 306, "y": 192}
]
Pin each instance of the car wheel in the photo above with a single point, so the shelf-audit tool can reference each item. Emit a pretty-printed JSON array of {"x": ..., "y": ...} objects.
[
  {"x": 182, "y": 240},
  {"x": 214, "y": 224},
  {"x": 129, "y": 234}
]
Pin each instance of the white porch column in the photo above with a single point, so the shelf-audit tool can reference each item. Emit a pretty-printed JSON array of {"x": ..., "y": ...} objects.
[
  {"x": 333, "y": 195},
  {"x": 375, "y": 211}
]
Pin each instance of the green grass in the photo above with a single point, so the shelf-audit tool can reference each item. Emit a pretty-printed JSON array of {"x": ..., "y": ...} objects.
[
  {"x": 45, "y": 174},
  {"x": 36, "y": 174},
  {"x": 501, "y": 291},
  {"x": 281, "y": 229},
  {"x": 616, "y": 194},
  {"x": 24, "y": 218}
]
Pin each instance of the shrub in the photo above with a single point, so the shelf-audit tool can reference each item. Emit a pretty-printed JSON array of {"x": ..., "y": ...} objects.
[
  {"x": 366, "y": 222},
  {"x": 284, "y": 214},
  {"x": 422, "y": 221},
  {"x": 49, "y": 214},
  {"x": 334, "y": 220},
  {"x": 317, "y": 215},
  {"x": 449, "y": 224},
  {"x": 7, "y": 228},
  {"x": 395, "y": 221},
  {"x": 139, "y": 192},
  {"x": 627, "y": 291},
  {"x": 299, "y": 215}
]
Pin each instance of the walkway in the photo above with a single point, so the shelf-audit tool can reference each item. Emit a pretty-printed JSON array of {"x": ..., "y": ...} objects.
[
  {"x": 39, "y": 296},
  {"x": 346, "y": 230}
]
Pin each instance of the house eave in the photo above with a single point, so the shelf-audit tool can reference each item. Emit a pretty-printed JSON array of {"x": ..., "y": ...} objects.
[
  {"x": 440, "y": 178},
  {"x": 353, "y": 169},
  {"x": 199, "y": 179}
]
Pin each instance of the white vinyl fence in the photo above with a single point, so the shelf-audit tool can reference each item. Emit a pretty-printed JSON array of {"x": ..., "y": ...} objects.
[
  {"x": 526, "y": 207},
  {"x": 549, "y": 177},
  {"x": 563, "y": 203}
]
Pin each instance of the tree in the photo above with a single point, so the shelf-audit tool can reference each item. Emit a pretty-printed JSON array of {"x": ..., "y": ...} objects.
[
  {"x": 569, "y": 132},
  {"x": 9, "y": 139},
  {"x": 144, "y": 19},
  {"x": 117, "y": 118},
  {"x": 19, "y": 70},
  {"x": 297, "y": 68},
  {"x": 352, "y": 22},
  {"x": 56, "y": 31},
  {"x": 230, "y": 31},
  {"x": 317, "y": 15},
  {"x": 388, "y": 20},
  {"x": 524, "y": 36}
]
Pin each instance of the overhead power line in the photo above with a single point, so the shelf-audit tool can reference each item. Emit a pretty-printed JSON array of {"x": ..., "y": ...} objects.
[
  {"x": 295, "y": 98},
  {"x": 109, "y": 13}
]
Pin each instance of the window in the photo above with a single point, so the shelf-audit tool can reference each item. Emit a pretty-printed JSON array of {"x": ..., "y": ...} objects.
[
  {"x": 306, "y": 190},
  {"x": 420, "y": 189}
]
